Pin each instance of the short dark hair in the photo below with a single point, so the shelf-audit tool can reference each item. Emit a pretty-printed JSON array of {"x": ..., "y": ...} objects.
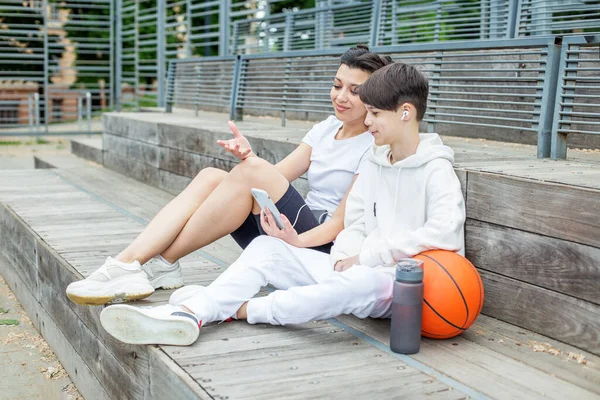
[
  {"x": 360, "y": 57},
  {"x": 396, "y": 84}
]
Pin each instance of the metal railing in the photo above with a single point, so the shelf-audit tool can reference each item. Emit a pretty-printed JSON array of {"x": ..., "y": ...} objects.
[
  {"x": 557, "y": 17},
  {"x": 409, "y": 21},
  {"x": 474, "y": 86},
  {"x": 318, "y": 28},
  {"x": 577, "y": 107},
  {"x": 201, "y": 83}
]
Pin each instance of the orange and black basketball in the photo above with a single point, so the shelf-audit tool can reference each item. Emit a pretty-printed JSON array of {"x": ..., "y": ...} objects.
[{"x": 453, "y": 294}]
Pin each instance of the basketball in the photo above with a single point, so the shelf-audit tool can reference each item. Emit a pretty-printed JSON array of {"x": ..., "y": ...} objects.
[{"x": 453, "y": 294}]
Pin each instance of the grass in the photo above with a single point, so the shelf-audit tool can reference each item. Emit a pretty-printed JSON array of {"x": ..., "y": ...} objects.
[{"x": 10, "y": 143}]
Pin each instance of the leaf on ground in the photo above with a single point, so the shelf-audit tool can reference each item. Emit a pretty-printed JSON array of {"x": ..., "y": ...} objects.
[
  {"x": 3, "y": 310},
  {"x": 9, "y": 322}
]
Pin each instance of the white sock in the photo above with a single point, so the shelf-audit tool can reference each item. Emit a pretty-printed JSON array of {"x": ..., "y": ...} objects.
[{"x": 165, "y": 261}]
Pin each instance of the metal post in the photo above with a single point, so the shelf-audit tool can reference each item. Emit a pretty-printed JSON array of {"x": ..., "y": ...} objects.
[
  {"x": 235, "y": 88},
  {"x": 136, "y": 56},
  {"x": 287, "y": 33},
  {"x": 30, "y": 111},
  {"x": 119, "y": 54},
  {"x": 36, "y": 106},
  {"x": 375, "y": 18},
  {"x": 558, "y": 146},
  {"x": 550, "y": 77},
  {"x": 235, "y": 38},
  {"x": 160, "y": 51},
  {"x": 438, "y": 22},
  {"x": 224, "y": 21},
  {"x": 514, "y": 15},
  {"x": 188, "y": 28},
  {"x": 285, "y": 88},
  {"x": 111, "y": 87},
  {"x": 170, "y": 80},
  {"x": 80, "y": 112},
  {"x": 46, "y": 66},
  {"x": 88, "y": 111},
  {"x": 435, "y": 80}
]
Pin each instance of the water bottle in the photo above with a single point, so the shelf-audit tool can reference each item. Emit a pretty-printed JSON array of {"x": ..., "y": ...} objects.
[{"x": 407, "y": 307}]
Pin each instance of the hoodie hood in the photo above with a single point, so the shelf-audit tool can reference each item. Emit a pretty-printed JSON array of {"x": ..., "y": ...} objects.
[{"x": 430, "y": 148}]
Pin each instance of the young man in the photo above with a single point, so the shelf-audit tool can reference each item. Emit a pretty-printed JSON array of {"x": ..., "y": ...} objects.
[{"x": 407, "y": 199}]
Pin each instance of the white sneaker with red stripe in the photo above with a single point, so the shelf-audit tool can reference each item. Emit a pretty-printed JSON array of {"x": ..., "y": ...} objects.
[{"x": 167, "y": 324}]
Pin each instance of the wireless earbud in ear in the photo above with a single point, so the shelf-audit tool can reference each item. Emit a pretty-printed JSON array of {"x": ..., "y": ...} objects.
[{"x": 404, "y": 115}]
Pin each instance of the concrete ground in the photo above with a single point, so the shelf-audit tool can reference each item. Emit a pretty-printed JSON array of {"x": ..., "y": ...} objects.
[{"x": 29, "y": 368}]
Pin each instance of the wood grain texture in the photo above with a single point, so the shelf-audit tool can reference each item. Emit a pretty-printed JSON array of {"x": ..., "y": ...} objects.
[
  {"x": 548, "y": 209},
  {"x": 554, "y": 264},
  {"x": 549, "y": 313}
]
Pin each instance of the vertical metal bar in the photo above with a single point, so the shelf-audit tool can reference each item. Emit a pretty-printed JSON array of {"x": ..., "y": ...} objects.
[
  {"x": 188, "y": 28},
  {"x": 119, "y": 54},
  {"x": 160, "y": 52},
  {"x": 287, "y": 33},
  {"x": 79, "y": 112},
  {"x": 375, "y": 17},
  {"x": 394, "y": 32},
  {"x": 234, "y": 40},
  {"x": 435, "y": 79},
  {"x": 30, "y": 111},
  {"x": 224, "y": 21},
  {"x": 558, "y": 149},
  {"x": 88, "y": 111},
  {"x": 170, "y": 86},
  {"x": 288, "y": 67},
  {"x": 438, "y": 21},
  {"x": 46, "y": 66},
  {"x": 235, "y": 88},
  {"x": 111, "y": 87},
  {"x": 484, "y": 30},
  {"x": 514, "y": 17},
  {"x": 198, "y": 86},
  {"x": 136, "y": 56},
  {"x": 549, "y": 78},
  {"x": 36, "y": 106}
]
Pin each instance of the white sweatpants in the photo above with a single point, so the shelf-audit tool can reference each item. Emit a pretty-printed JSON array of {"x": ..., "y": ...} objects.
[{"x": 309, "y": 288}]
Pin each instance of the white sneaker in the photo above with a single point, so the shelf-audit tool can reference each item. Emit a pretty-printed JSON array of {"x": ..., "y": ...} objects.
[
  {"x": 185, "y": 293},
  {"x": 112, "y": 282},
  {"x": 153, "y": 325},
  {"x": 163, "y": 275}
]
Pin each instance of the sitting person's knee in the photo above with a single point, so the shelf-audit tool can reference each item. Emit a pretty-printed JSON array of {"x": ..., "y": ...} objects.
[{"x": 208, "y": 177}]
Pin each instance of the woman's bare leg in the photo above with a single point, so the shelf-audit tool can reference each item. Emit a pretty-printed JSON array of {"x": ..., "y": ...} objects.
[
  {"x": 169, "y": 222},
  {"x": 228, "y": 206}
]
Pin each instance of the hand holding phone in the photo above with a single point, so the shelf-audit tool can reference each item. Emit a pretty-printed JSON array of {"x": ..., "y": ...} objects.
[{"x": 264, "y": 201}]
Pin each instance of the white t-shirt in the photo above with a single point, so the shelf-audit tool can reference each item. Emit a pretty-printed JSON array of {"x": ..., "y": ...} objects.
[{"x": 333, "y": 163}]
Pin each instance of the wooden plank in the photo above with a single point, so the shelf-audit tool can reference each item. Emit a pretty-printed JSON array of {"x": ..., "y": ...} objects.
[
  {"x": 550, "y": 356},
  {"x": 477, "y": 366},
  {"x": 85, "y": 380},
  {"x": 312, "y": 358},
  {"x": 543, "y": 208},
  {"x": 549, "y": 313},
  {"x": 554, "y": 264},
  {"x": 169, "y": 380}
]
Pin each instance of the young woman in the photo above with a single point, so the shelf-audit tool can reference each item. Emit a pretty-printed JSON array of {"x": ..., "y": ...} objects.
[{"x": 217, "y": 203}]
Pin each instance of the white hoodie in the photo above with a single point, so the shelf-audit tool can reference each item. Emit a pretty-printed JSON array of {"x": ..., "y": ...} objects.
[{"x": 400, "y": 210}]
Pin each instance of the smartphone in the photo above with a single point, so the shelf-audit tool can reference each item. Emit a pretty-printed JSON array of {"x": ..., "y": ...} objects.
[{"x": 264, "y": 201}]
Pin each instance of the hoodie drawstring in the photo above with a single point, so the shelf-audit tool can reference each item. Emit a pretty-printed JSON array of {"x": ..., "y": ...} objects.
[{"x": 376, "y": 192}]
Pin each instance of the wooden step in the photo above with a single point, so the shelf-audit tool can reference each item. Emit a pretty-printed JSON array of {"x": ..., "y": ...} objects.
[
  {"x": 88, "y": 148},
  {"x": 59, "y": 225}
]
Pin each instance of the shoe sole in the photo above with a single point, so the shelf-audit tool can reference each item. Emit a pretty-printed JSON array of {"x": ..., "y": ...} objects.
[
  {"x": 167, "y": 282},
  {"x": 117, "y": 291},
  {"x": 102, "y": 300},
  {"x": 130, "y": 325}
]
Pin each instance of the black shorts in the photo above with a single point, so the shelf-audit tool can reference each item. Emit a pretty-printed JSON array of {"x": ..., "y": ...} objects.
[{"x": 288, "y": 205}]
